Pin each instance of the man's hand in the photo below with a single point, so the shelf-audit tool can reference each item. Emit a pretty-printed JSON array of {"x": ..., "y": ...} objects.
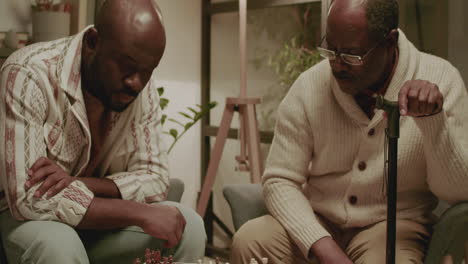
[
  {"x": 164, "y": 222},
  {"x": 328, "y": 252},
  {"x": 54, "y": 178},
  {"x": 420, "y": 98}
]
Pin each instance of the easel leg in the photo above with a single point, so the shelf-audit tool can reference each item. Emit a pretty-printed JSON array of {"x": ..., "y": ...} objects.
[
  {"x": 253, "y": 138},
  {"x": 215, "y": 159}
]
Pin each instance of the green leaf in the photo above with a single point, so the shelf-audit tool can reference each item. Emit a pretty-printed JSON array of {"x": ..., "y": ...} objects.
[
  {"x": 174, "y": 133},
  {"x": 198, "y": 116},
  {"x": 163, "y": 119},
  {"x": 175, "y": 121},
  {"x": 185, "y": 115},
  {"x": 188, "y": 125},
  {"x": 163, "y": 102},
  {"x": 192, "y": 110},
  {"x": 160, "y": 91},
  {"x": 212, "y": 104}
]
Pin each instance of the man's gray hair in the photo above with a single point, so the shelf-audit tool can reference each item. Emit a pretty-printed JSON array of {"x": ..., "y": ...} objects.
[{"x": 382, "y": 17}]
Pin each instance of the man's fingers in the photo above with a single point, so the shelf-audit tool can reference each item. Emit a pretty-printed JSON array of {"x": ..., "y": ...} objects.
[
  {"x": 413, "y": 101},
  {"x": 46, "y": 185},
  {"x": 184, "y": 223},
  {"x": 178, "y": 235},
  {"x": 39, "y": 175},
  {"x": 440, "y": 102},
  {"x": 403, "y": 99},
  {"x": 181, "y": 229},
  {"x": 171, "y": 242},
  {"x": 58, "y": 187},
  {"x": 424, "y": 107},
  {"x": 42, "y": 161}
]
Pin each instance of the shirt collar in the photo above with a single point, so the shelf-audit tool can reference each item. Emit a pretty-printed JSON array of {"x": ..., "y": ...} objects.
[{"x": 69, "y": 66}]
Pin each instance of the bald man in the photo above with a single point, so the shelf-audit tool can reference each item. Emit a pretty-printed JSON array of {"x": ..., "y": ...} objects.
[
  {"x": 84, "y": 170},
  {"x": 324, "y": 181}
]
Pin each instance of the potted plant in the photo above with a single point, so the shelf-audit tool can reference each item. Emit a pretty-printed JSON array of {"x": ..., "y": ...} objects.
[{"x": 50, "y": 21}]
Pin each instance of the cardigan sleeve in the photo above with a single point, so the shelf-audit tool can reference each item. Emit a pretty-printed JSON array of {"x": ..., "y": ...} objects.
[
  {"x": 287, "y": 169},
  {"x": 445, "y": 138}
]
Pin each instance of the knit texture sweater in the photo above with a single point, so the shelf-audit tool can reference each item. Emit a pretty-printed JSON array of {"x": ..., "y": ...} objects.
[{"x": 327, "y": 157}]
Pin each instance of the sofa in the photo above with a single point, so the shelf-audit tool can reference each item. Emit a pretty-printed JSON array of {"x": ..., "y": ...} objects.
[{"x": 450, "y": 236}]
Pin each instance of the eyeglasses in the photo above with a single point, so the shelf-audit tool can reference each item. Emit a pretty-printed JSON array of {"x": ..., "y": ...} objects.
[{"x": 354, "y": 60}]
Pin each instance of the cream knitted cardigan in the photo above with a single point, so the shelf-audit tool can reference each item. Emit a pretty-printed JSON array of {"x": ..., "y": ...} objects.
[{"x": 322, "y": 135}]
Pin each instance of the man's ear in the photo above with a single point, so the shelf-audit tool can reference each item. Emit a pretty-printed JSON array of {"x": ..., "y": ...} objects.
[
  {"x": 393, "y": 37},
  {"x": 91, "y": 40}
]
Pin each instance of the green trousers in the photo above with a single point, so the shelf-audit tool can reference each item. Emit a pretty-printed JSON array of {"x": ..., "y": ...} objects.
[{"x": 49, "y": 242}]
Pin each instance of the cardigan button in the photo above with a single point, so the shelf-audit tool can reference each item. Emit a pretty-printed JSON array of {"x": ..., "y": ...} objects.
[
  {"x": 371, "y": 132},
  {"x": 362, "y": 166},
  {"x": 352, "y": 199}
]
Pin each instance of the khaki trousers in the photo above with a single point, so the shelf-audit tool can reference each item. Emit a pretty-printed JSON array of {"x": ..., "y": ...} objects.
[{"x": 265, "y": 237}]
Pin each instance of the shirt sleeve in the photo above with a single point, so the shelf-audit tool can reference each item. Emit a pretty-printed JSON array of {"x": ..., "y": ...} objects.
[
  {"x": 23, "y": 112},
  {"x": 446, "y": 141},
  {"x": 287, "y": 169},
  {"x": 147, "y": 177}
]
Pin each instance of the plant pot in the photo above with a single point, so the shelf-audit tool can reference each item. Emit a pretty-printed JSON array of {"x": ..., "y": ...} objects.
[{"x": 49, "y": 25}]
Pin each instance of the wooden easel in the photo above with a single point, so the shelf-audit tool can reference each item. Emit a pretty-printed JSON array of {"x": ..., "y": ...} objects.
[{"x": 249, "y": 158}]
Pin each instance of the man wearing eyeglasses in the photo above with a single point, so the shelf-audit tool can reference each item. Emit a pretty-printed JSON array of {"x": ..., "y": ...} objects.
[{"x": 324, "y": 181}]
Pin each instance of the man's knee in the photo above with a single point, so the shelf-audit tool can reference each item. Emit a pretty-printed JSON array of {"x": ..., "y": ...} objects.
[
  {"x": 194, "y": 237},
  {"x": 369, "y": 246},
  {"x": 44, "y": 242},
  {"x": 256, "y": 234}
]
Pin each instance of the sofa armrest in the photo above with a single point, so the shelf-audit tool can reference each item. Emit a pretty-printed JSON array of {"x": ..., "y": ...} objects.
[
  {"x": 176, "y": 189},
  {"x": 450, "y": 235},
  {"x": 246, "y": 202}
]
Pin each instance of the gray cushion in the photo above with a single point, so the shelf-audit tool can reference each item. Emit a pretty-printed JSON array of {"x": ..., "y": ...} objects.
[
  {"x": 246, "y": 202},
  {"x": 450, "y": 235},
  {"x": 176, "y": 189}
]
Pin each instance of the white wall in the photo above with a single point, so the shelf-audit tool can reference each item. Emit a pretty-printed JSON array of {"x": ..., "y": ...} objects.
[
  {"x": 179, "y": 72},
  {"x": 458, "y": 36},
  {"x": 15, "y": 15}
]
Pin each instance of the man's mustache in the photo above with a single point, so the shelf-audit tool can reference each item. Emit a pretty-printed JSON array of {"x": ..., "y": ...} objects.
[
  {"x": 343, "y": 75},
  {"x": 130, "y": 92}
]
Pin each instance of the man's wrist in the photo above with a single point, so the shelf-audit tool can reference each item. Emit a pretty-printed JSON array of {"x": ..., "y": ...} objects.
[
  {"x": 104, "y": 188},
  {"x": 140, "y": 213},
  {"x": 326, "y": 249}
]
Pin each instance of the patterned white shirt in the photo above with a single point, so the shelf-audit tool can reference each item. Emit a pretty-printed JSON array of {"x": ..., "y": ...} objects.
[{"x": 42, "y": 113}]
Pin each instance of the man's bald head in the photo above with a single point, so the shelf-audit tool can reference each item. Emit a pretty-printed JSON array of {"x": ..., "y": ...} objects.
[
  {"x": 125, "y": 18},
  {"x": 121, "y": 52},
  {"x": 381, "y": 15}
]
